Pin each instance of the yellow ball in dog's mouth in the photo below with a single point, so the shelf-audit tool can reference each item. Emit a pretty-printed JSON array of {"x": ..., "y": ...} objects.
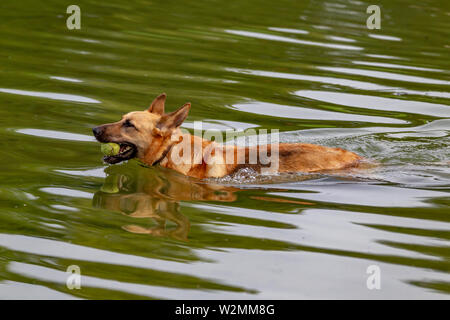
[{"x": 110, "y": 149}]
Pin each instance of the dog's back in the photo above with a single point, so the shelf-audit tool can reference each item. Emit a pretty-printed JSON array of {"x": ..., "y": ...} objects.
[
  {"x": 302, "y": 157},
  {"x": 294, "y": 157}
]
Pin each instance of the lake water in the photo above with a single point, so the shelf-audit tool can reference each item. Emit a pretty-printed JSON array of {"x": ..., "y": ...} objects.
[{"x": 311, "y": 69}]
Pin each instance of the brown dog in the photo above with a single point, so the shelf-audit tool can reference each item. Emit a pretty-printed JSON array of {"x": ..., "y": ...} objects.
[{"x": 154, "y": 137}]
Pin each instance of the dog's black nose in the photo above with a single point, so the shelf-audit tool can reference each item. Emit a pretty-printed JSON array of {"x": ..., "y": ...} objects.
[{"x": 97, "y": 131}]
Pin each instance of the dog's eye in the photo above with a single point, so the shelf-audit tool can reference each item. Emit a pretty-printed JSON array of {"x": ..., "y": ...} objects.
[{"x": 128, "y": 124}]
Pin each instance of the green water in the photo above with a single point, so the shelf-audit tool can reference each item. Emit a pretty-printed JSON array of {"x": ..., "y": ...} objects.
[{"x": 308, "y": 68}]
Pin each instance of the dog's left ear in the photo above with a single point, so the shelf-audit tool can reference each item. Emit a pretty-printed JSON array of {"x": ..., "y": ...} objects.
[
  {"x": 173, "y": 120},
  {"x": 157, "y": 105}
]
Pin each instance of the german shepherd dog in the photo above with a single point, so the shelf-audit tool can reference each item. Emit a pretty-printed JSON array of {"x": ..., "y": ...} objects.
[{"x": 155, "y": 138}]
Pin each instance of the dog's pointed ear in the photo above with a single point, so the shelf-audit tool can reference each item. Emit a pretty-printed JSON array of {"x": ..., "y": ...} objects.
[
  {"x": 173, "y": 120},
  {"x": 157, "y": 105}
]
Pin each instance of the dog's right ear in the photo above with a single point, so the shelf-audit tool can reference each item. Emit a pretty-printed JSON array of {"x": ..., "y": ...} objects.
[{"x": 157, "y": 105}]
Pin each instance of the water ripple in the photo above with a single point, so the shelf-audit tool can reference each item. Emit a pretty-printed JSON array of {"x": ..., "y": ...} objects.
[
  {"x": 266, "y": 36},
  {"x": 384, "y": 75},
  {"x": 377, "y": 103},
  {"x": 51, "y": 95}
]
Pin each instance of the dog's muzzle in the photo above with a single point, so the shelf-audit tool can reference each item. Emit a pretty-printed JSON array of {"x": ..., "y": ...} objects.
[
  {"x": 127, "y": 150},
  {"x": 98, "y": 131}
]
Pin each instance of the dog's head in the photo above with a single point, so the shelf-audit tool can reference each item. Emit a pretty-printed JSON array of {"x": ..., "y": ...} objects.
[{"x": 142, "y": 134}]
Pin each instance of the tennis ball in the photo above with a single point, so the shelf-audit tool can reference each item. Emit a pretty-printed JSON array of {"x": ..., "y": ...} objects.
[
  {"x": 111, "y": 184},
  {"x": 110, "y": 149}
]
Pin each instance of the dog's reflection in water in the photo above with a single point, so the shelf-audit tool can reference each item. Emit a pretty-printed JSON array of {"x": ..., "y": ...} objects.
[{"x": 152, "y": 193}]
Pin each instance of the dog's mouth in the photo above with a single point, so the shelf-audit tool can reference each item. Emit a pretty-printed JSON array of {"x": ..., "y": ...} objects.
[{"x": 127, "y": 151}]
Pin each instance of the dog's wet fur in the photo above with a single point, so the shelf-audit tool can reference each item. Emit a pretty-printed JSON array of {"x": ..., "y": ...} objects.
[{"x": 153, "y": 136}]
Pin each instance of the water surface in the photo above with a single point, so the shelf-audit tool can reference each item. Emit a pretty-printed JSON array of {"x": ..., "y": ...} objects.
[{"x": 308, "y": 68}]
